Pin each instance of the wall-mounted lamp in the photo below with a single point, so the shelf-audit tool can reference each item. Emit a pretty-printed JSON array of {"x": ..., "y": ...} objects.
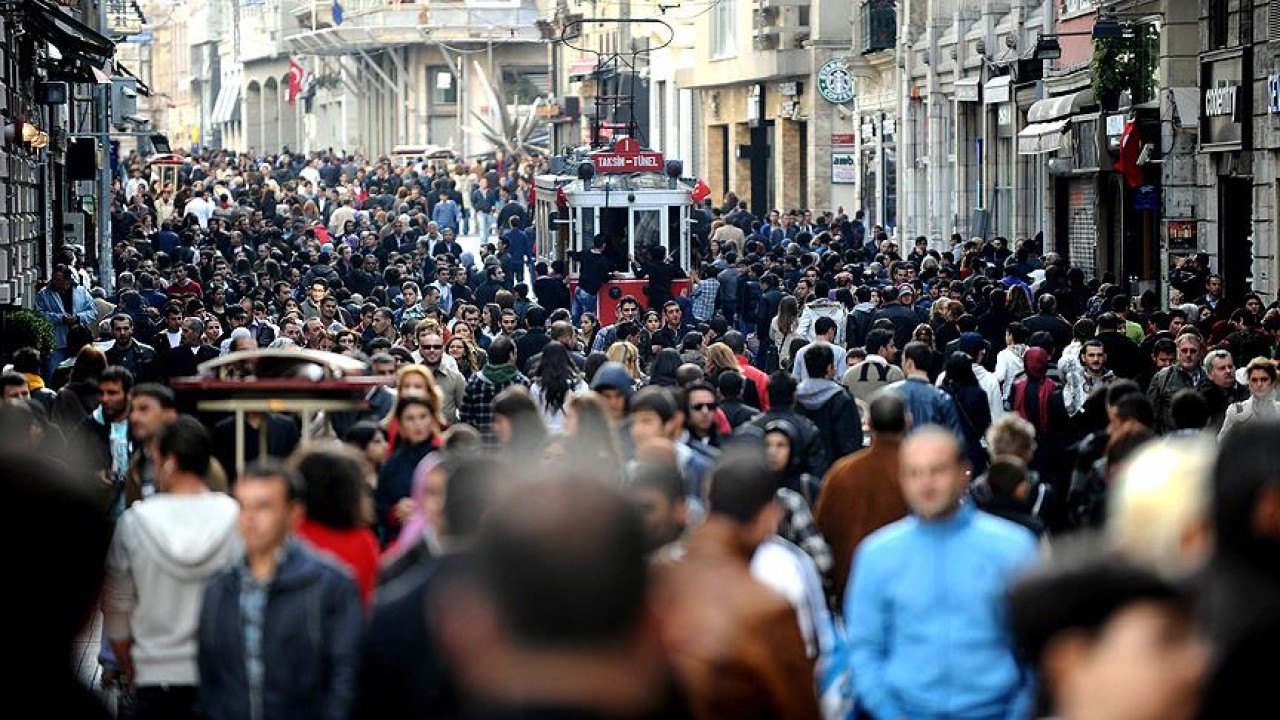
[{"x": 28, "y": 134}]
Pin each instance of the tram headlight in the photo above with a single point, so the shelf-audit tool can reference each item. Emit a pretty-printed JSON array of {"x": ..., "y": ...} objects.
[
  {"x": 586, "y": 171},
  {"x": 675, "y": 169}
]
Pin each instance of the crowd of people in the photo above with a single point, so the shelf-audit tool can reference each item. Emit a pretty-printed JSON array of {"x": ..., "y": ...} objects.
[{"x": 837, "y": 477}]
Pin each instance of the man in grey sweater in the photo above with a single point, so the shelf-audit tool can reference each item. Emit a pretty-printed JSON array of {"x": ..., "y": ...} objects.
[{"x": 164, "y": 550}]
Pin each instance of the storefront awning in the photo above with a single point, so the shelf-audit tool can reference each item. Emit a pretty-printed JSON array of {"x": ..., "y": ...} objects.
[
  {"x": 997, "y": 90},
  {"x": 1040, "y": 138},
  {"x": 582, "y": 67},
  {"x": 227, "y": 104},
  {"x": 1059, "y": 107},
  {"x": 65, "y": 32}
]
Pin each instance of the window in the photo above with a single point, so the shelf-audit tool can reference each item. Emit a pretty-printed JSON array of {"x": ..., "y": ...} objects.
[
  {"x": 1086, "y": 144},
  {"x": 444, "y": 87},
  {"x": 520, "y": 86},
  {"x": 724, "y": 28},
  {"x": 1218, "y": 16}
]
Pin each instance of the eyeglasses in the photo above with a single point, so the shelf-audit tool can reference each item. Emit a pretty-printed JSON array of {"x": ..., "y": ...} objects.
[
  {"x": 431, "y": 347},
  {"x": 703, "y": 407}
]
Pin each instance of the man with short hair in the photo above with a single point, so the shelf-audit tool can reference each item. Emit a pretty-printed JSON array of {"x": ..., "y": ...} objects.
[
  {"x": 828, "y": 404},
  {"x": 315, "y": 295},
  {"x": 825, "y": 331},
  {"x": 766, "y": 657},
  {"x": 861, "y": 493},
  {"x": 1185, "y": 374},
  {"x": 14, "y": 387},
  {"x": 1091, "y": 374},
  {"x": 164, "y": 550},
  {"x": 1221, "y": 388},
  {"x": 904, "y": 314},
  {"x": 484, "y": 387},
  {"x": 449, "y": 379},
  {"x": 127, "y": 352},
  {"x": 877, "y": 370},
  {"x": 924, "y": 606},
  {"x": 926, "y": 404},
  {"x": 279, "y": 630}
]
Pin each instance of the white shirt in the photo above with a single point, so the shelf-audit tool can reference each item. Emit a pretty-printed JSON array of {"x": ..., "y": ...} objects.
[
  {"x": 786, "y": 569},
  {"x": 202, "y": 210}
]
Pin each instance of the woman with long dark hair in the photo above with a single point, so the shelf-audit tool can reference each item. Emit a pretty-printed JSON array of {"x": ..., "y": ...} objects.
[
  {"x": 972, "y": 407},
  {"x": 555, "y": 379},
  {"x": 663, "y": 371}
]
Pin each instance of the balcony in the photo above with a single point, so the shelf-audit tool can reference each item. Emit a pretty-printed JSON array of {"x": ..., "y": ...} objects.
[{"x": 879, "y": 22}]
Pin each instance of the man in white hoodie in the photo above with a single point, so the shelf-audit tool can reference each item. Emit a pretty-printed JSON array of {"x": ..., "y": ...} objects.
[{"x": 164, "y": 550}]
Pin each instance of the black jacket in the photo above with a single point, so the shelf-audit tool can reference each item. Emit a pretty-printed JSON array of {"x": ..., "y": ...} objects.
[
  {"x": 815, "y": 453},
  {"x": 311, "y": 629},
  {"x": 552, "y": 292},
  {"x": 831, "y": 408},
  {"x": 593, "y": 271},
  {"x": 404, "y": 673},
  {"x": 904, "y": 319},
  {"x": 282, "y": 440},
  {"x": 181, "y": 362},
  {"x": 140, "y": 360},
  {"x": 661, "y": 275}
]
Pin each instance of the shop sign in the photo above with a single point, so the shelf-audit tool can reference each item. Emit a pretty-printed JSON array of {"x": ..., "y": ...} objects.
[
  {"x": 844, "y": 168},
  {"x": 1225, "y": 101},
  {"x": 1146, "y": 198},
  {"x": 1273, "y": 94},
  {"x": 844, "y": 139},
  {"x": 967, "y": 90},
  {"x": 835, "y": 81},
  {"x": 789, "y": 89},
  {"x": 627, "y": 157},
  {"x": 1182, "y": 235}
]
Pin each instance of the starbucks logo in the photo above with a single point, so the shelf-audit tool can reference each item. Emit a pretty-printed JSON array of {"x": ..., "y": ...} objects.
[{"x": 835, "y": 82}]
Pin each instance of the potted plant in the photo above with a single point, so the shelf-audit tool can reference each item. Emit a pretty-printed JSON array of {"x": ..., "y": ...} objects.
[
  {"x": 24, "y": 327},
  {"x": 1112, "y": 70},
  {"x": 1124, "y": 64}
]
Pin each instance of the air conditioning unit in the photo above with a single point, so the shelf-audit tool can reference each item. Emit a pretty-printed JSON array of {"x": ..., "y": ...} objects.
[{"x": 766, "y": 41}]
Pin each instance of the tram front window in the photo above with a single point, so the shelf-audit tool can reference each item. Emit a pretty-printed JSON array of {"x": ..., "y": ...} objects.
[{"x": 613, "y": 225}]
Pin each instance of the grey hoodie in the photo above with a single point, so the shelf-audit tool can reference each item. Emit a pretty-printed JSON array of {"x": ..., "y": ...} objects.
[
  {"x": 163, "y": 551},
  {"x": 814, "y": 392}
]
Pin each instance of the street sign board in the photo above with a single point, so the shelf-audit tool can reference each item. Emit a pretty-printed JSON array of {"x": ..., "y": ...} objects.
[{"x": 627, "y": 157}]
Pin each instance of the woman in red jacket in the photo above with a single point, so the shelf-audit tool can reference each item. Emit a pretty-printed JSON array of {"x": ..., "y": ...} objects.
[{"x": 334, "y": 499}]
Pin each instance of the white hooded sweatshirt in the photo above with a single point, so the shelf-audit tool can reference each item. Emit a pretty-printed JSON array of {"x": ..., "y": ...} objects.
[{"x": 164, "y": 550}]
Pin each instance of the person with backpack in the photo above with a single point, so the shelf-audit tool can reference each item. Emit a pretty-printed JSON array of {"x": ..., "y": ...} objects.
[{"x": 877, "y": 370}]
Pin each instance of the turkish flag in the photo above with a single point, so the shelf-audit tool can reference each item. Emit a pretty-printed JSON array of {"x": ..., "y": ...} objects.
[
  {"x": 296, "y": 74},
  {"x": 701, "y": 191},
  {"x": 1130, "y": 149}
]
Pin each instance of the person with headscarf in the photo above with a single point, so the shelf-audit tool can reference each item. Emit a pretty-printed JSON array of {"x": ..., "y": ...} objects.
[{"x": 1036, "y": 399}]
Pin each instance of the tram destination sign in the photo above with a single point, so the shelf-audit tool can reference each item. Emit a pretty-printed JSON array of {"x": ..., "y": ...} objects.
[{"x": 627, "y": 157}]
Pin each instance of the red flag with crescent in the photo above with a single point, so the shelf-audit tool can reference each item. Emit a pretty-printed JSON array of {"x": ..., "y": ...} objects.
[
  {"x": 296, "y": 75},
  {"x": 701, "y": 191}
]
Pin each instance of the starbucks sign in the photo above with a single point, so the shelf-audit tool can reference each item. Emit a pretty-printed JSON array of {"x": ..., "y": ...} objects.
[{"x": 835, "y": 82}]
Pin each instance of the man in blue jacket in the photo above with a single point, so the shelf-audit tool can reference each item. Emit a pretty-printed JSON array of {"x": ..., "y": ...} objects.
[
  {"x": 924, "y": 607},
  {"x": 66, "y": 305},
  {"x": 280, "y": 630}
]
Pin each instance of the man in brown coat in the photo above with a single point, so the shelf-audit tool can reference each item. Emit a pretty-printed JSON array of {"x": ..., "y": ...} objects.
[
  {"x": 735, "y": 643},
  {"x": 861, "y": 493}
]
